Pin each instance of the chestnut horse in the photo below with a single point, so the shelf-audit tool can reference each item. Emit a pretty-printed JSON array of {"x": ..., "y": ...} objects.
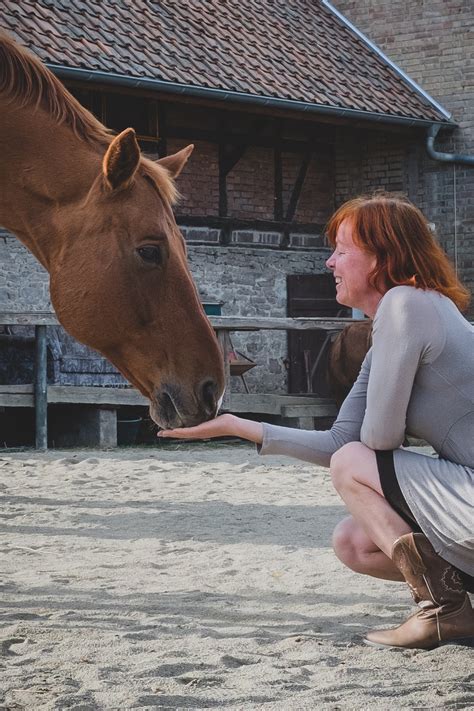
[{"x": 98, "y": 216}]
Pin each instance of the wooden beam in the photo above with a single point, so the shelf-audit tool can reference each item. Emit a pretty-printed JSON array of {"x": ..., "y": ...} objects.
[
  {"x": 222, "y": 182},
  {"x": 23, "y": 396},
  {"x": 326, "y": 408},
  {"x": 41, "y": 389},
  {"x": 250, "y": 139},
  {"x": 224, "y": 342},
  {"x": 295, "y": 195},
  {"x": 17, "y": 396},
  {"x": 277, "y": 185},
  {"x": 231, "y": 156},
  {"x": 28, "y": 318},
  {"x": 234, "y": 223},
  {"x": 264, "y": 403},
  {"x": 68, "y": 394},
  {"x": 270, "y": 404},
  {"x": 226, "y": 323},
  {"x": 252, "y": 323},
  {"x": 162, "y": 130}
]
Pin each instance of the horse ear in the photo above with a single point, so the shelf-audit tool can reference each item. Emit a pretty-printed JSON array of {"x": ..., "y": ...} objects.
[
  {"x": 175, "y": 163},
  {"x": 121, "y": 160}
]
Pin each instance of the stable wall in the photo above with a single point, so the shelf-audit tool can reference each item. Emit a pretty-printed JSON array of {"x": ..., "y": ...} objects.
[{"x": 248, "y": 282}]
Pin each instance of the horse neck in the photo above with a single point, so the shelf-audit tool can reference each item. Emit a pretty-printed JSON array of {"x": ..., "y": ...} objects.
[{"x": 45, "y": 170}]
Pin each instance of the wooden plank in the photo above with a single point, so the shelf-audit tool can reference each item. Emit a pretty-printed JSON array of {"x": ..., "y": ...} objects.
[
  {"x": 41, "y": 389},
  {"x": 298, "y": 186},
  {"x": 270, "y": 404},
  {"x": 60, "y": 392},
  {"x": 264, "y": 404},
  {"x": 16, "y": 400},
  {"x": 250, "y": 323},
  {"x": 224, "y": 342},
  {"x": 23, "y": 395},
  {"x": 227, "y": 323},
  {"x": 28, "y": 318},
  {"x": 85, "y": 395},
  {"x": 328, "y": 409},
  {"x": 16, "y": 389}
]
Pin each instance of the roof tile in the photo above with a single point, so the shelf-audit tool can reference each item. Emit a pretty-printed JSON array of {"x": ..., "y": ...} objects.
[{"x": 297, "y": 50}]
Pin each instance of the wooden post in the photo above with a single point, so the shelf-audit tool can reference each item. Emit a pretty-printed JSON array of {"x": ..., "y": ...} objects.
[
  {"x": 41, "y": 393},
  {"x": 224, "y": 343}
]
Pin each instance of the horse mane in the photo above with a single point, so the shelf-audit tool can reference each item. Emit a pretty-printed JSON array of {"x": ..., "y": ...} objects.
[
  {"x": 26, "y": 80},
  {"x": 161, "y": 179}
]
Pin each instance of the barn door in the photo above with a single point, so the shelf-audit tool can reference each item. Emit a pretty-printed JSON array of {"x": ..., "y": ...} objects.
[{"x": 310, "y": 295}]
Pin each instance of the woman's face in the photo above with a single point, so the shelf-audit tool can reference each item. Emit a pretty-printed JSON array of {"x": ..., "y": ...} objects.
[{"x": 351, "y": 266}]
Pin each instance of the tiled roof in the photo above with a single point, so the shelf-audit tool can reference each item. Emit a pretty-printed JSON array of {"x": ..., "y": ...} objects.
[{"x": 284, "y": 49}]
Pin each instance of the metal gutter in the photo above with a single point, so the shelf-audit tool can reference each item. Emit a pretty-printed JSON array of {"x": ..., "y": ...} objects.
[
  {"x": 98, "y": 77},
  {"x": 387, "y": 60},
  {"x": 444, "y": 157}
]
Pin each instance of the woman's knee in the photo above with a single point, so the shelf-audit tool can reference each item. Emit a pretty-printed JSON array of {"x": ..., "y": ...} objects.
[
  {"x": 354, "y": 465},
  {"x": 343, "y": 540},
  {"x": 342, "y": 464},
  {"x": 351, "y": 545}
]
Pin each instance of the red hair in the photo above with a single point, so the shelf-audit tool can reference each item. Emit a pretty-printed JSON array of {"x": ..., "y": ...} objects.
[{"x": 405, "y": 248}]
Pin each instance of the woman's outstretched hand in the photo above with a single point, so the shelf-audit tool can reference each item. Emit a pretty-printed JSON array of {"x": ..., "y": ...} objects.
[
  {"x": 219, "y": 427},
  {"x": 222, "y": 426}
]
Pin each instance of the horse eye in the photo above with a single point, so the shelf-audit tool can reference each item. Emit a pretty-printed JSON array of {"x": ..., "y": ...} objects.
[{"x": 150, "y": 254}]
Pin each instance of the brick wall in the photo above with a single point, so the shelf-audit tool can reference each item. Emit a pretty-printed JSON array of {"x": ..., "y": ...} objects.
[
  {"x": 432, "y": 42},
  {"x": 250, "y": 185},
  {"x": 316, "y": 201},
  {"x": 199, "y": 182}
]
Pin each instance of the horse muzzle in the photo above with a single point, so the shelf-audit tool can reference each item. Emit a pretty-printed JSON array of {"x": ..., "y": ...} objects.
[{"x": 172, "y": 407}]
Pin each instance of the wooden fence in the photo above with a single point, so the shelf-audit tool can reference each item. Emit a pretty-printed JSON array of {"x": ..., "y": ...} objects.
[{"x": 39, "y": 394}]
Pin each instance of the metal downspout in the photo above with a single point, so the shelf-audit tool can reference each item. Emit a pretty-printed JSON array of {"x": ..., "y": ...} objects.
[{"x": 444, "y": 157}]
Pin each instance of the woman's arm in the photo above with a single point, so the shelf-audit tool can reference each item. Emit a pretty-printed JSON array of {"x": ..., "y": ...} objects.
[
  {"x": 316, "y": 447},
  {"x": 407, "y": 333}
]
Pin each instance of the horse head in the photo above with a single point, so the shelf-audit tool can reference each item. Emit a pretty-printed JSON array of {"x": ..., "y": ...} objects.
[{"x": 120, "y": 283}]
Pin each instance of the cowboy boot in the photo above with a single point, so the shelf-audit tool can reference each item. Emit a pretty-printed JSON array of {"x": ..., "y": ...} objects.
[{"x": 445, "y": 613}]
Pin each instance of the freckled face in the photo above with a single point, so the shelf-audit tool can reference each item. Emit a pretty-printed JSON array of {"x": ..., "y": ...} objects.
[{"x": 351, "y": 266}]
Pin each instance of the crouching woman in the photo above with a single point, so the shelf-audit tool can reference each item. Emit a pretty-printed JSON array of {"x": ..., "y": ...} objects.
[{"x": 411, "y": 515}]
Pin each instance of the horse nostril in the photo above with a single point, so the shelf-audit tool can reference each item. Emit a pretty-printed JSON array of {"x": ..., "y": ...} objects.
[{"x": 208, "y": 396}]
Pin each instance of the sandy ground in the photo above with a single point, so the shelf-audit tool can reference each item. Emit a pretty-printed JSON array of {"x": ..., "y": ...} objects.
[{"x": 195, "y": 577}]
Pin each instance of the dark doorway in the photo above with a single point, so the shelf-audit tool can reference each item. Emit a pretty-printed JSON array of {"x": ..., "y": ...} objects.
[{"x": 310, "y": 295}]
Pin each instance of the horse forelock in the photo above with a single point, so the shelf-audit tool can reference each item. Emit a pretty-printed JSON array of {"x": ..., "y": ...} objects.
[{"x": 26, "y": 81}]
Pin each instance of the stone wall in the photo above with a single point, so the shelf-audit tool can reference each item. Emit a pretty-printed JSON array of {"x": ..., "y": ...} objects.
[
  {"x": 24, "y": 283},
  {"x": 252, "y": 282},
  {"x": 250, "y": 183},
  {"x": 432, "y": 43},
  {"x": 248, "y": 282}
]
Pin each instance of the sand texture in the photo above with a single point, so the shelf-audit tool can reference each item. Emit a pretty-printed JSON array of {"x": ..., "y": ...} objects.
[{"x": 195, "y": 577}]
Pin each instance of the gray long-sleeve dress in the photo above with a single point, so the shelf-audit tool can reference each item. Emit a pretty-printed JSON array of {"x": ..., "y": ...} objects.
[{"x": 418, "y": 380}]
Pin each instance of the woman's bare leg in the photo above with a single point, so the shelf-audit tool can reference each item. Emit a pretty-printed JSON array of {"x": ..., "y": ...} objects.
[
  {"x": 356, "y": 478},
  {"x": 359, "y": 553}
]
